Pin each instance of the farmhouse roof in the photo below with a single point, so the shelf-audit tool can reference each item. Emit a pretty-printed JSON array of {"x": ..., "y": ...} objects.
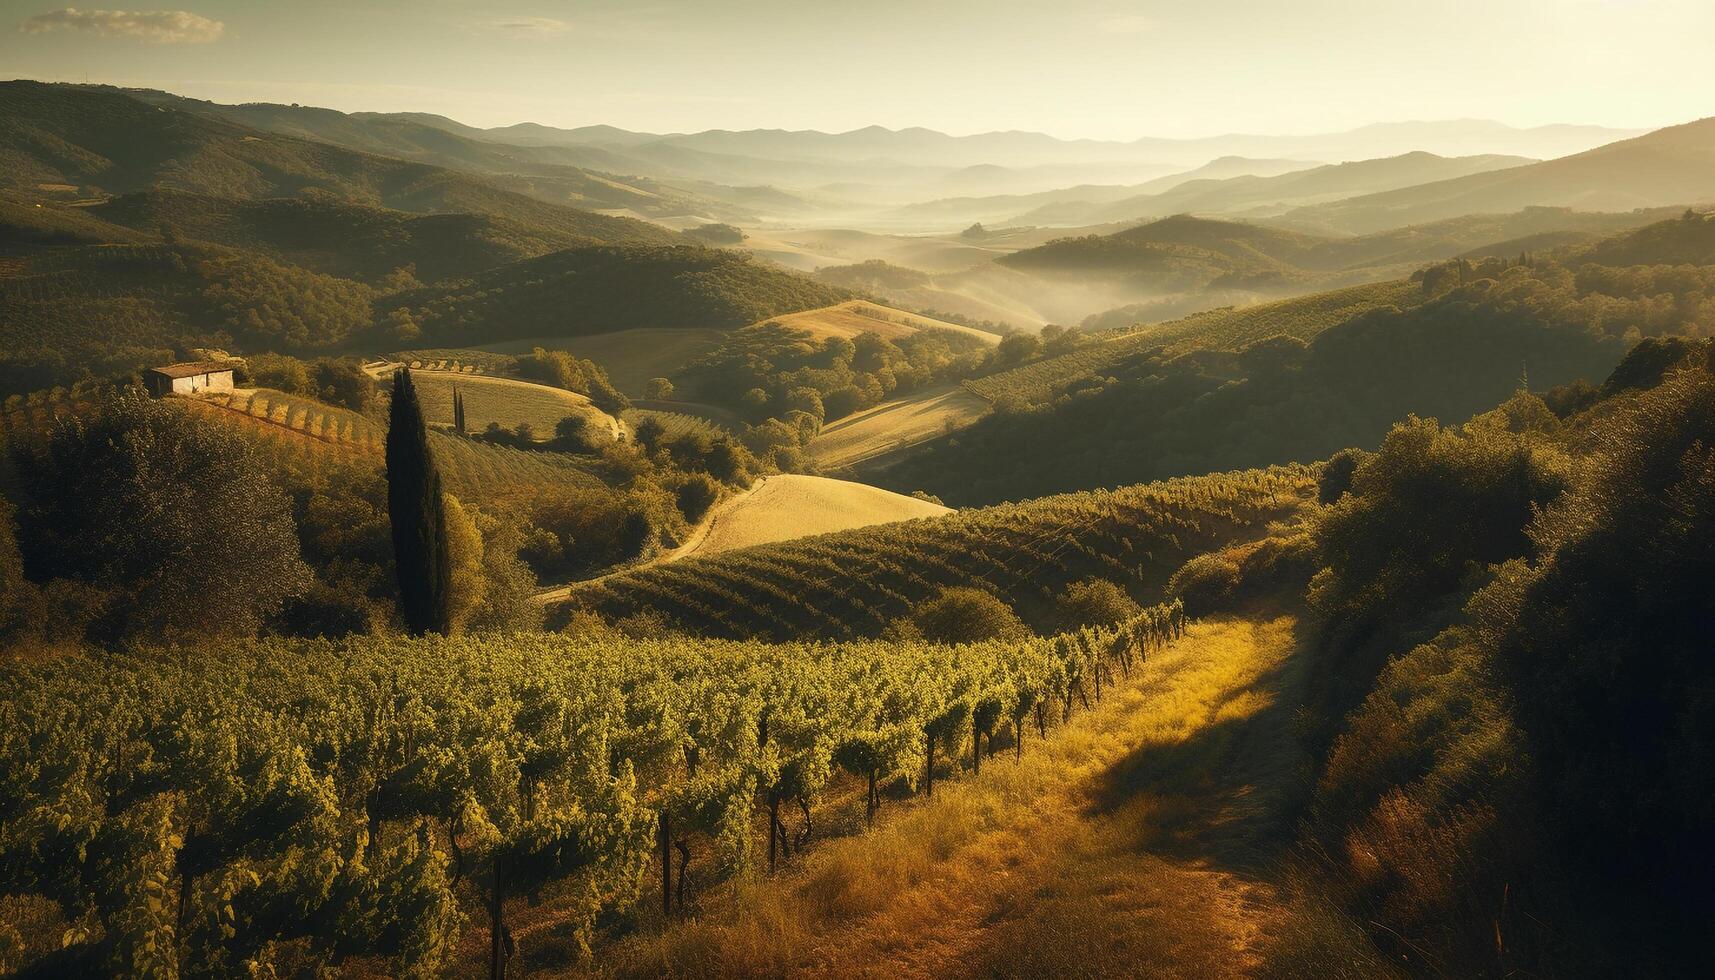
[{"x": 189, "y": 369}]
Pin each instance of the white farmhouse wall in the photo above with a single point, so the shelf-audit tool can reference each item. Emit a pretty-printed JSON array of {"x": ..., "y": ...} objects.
[{"x": 213, "y": 381}]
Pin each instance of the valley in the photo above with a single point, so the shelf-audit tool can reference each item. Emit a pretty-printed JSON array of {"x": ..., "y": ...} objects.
[{"x": 725, "y": 491}]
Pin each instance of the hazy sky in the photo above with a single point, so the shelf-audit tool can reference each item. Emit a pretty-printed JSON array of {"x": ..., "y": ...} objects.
[{"x": 1069, "y": 67}]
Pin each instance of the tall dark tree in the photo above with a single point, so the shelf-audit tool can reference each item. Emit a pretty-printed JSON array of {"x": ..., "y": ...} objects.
[
  {"x": 419, "y": 519},
  {"x": 458, "y": 411}
]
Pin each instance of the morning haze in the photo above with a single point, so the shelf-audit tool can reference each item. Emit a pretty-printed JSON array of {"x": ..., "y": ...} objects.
[{"x": 867, "y": 489}]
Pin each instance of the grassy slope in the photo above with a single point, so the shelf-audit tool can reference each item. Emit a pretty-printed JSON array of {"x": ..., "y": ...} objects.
[
  {"x": 787, "y": 506},
  {"x": 861, "y": 316},
  {"x": 866, "y": 436}
]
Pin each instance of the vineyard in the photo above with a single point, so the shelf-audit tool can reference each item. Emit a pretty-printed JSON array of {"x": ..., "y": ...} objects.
[
  {"x": 316, "y": 433},
  {"x": 855, "y": 583},
  {"x": 1228, "y": 328},
  {"x": 507, "y": 402},
  {"x": 278, "y": 806},
  {"x": 675, "y": 425}
]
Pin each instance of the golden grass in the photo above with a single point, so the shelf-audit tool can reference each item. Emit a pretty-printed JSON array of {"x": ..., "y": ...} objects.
[
  {"x": 895, "y": 424},
  {"x": 861, "y": 316},
  {"x": 1128, "y": 843},
  {"x": 787, "y": 506}
]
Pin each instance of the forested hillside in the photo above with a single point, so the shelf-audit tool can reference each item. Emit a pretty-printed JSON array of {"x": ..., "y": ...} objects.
[
  {"x": 63, "y": 140},
  {"x": 1474, "y": 333},
  {"x": 598, "y": 290}
]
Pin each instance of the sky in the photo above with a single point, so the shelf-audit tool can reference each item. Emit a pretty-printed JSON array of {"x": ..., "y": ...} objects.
[{"x": 1071, "y": 68}]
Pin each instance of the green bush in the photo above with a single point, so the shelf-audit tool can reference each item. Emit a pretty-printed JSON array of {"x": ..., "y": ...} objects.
[{"x": 965, "y": 615}]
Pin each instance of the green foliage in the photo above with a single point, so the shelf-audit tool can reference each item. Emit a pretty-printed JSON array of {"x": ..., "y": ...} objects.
[
  {"x": 170, "y": 516},
  {"x": 602, "y": 289},
  {"x": 1538, "y": 769},
  {"x": 1155, "y": 414},
  {"x": 774, "y": 372},
  {"x": 960, "y": 614},
  {"x": 563, "y": 370},
  {"x": 204, "y": 812},
  {"x": 1337, "y": 472},
  {"x": 416, "y": 509},
  {"x": 1094, "y": 602}
]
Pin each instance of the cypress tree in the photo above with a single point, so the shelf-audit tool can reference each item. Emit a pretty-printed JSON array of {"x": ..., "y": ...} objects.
[
  {"x": 419, "y": 519},
  {"x": 458, "y": 411}
]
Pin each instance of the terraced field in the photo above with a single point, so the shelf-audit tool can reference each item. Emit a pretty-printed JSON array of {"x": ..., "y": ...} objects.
[{"x": 866, "y": 436}]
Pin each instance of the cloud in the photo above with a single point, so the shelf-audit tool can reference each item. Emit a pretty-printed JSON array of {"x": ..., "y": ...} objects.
[
  {"x": 530, "y": 26},
  {"x": 1128, "y": 24},
  {"x": 159, "y": 26}
]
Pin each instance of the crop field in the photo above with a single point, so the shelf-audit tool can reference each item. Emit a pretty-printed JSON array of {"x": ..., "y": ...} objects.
[
  {"x": 903, "y": 422},
  {"x": 320, "y": 434},
  {"x": 506, "y": 401},
  {"x": 855, "y": 583},
  {"x": 675, "y": 424}
]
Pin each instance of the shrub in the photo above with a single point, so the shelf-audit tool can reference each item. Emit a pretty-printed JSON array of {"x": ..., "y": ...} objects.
[
  {"x": 696, "y": 493},
  {"x": 1094, "y": 602},
  {"x": 961, "y": 614},
  {"x": 1337, "y": 472}
]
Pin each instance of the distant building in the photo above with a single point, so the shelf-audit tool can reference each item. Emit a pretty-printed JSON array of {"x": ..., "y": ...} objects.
[{"x": 189, "y": 378}]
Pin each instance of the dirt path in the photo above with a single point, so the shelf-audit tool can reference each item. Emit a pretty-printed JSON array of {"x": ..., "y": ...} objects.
[{"x": 1135, "y": 841}]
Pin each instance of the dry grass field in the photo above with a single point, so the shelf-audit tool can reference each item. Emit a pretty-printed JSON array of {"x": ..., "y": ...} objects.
[
  {"x": 779, "y": 508},
  {"x": 893, "y": 425},
  {"x": 860, "y": 316}
]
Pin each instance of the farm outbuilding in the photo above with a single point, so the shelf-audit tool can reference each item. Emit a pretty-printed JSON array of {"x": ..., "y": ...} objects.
[{"x": 189, "y": 378}]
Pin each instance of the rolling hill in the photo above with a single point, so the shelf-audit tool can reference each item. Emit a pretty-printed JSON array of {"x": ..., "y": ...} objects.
[
  {"x": 787, "y": 506},
  {"x": 608, "y": 288},
  {"x": 349, "y": 240},
  {"x": 858, "y": 316},
  {"x": 587, "y": 178},
  {"x": 1263, "y": 193},
  {"x": 62, "y": 140},
  {"x": 855, "y": 583},
  {"x": 1672, "y": 166}
]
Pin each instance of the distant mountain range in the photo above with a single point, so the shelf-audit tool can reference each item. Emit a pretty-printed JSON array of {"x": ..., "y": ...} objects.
[
  {"x": 1257, "y": 191},
  {"x": 925, "y": 147},
  {"x": 1670, "y": 166}
]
